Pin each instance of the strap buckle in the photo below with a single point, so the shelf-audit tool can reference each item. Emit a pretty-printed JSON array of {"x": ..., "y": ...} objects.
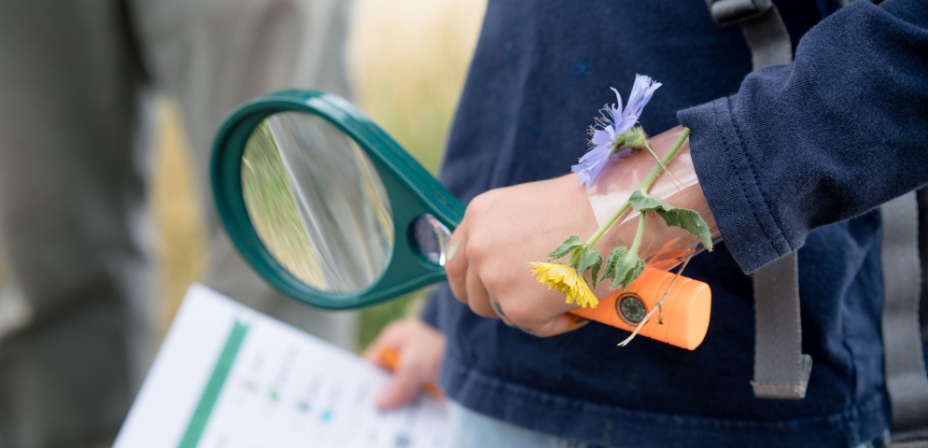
[{"x": 727, "y": 12}]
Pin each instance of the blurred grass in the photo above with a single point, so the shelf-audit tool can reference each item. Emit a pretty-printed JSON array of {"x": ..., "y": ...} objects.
[
  {"x": 408, "y": 62},
  {"x": 180, "y": 243}
]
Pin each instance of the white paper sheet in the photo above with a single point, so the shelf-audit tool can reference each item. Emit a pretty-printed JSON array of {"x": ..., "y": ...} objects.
[{"x": 229, "y": 377}]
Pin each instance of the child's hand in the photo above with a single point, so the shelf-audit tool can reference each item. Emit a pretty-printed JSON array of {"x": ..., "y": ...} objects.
[
  {"x": 502, "y": 232},
  {"x": 419, "y": 348}
]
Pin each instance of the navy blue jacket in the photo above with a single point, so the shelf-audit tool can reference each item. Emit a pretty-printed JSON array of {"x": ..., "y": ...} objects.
[{"x": 793, "y": 156}]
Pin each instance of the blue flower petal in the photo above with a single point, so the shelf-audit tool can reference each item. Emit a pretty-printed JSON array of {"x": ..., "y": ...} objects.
[
  {"x": 601, "y": 138},
  {"x": 622, "y": 154},
  {"x": 616, "y": 109},
  {"x": 592, "y": 163},
  {"x": 624, "y": 125},
  {"x": 642, "y": 91}
]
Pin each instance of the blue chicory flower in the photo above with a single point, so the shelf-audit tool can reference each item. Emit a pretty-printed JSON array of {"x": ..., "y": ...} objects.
[{"x": 616, "y": 121}]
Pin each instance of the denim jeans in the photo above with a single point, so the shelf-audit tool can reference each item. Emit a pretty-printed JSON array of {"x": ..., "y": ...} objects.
[{"x": 472, "y": 430}]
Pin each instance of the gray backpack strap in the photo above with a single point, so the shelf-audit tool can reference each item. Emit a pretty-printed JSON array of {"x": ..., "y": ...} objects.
[
  {"x": 781, "y": 370},
  {"x": 762, "y": 27},
  {"x": 904, "y": 363}
]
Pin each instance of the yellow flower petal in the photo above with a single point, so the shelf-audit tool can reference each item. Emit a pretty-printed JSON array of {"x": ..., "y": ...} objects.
[{"x": 565, "y": 279}]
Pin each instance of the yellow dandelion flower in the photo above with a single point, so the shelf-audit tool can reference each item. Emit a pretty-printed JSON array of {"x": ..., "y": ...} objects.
[{"x": 564, "y": 278}]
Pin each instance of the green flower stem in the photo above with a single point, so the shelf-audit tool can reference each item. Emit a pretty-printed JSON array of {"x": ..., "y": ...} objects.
[
  {"x": 639, "y": 235},
  {"x": 648, "y": 181},
  {"x": 599, "y": 233},
  {"x": 645, "y": 187},
  {"x": 575, "y": 256}
]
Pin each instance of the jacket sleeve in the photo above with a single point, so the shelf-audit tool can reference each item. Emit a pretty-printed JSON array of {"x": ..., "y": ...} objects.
[{"x": 833, "y": 135}]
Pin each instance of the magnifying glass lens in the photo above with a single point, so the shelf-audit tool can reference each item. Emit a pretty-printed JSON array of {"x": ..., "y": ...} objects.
[{"x": 316, "y": 202}]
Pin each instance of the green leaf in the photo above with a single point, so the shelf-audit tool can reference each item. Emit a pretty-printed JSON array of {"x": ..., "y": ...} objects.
[
  {"x": 629, "y": 267},
  {"x": 589, "y": 258},
  {"x": 641, "y": 202},
  {"x": 611, "y": 262},
  {"x": 686, "y": 219},
  {"x": 569, "y": 245},
  {"x": 594, "y": 270},
  {"x": 622, "y": 267}
]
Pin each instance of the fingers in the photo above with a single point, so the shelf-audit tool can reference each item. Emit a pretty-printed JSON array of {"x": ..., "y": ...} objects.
[
  {"x": 498, "y": 309},
  {"x": 464, "y": 279},
  {"x": 389, "y": 337},
  {"x": 564, "y": 323},
  {"x": 406, "y": 382},
  {"x": 478, "y": 299},
  {"x": 532, "y": 325},
  {"x": 413, "y": 351},
  {"x": 487, "y": 270},
  {"x": 456, "y": 265},
  {"x": 468, "y": 286}
]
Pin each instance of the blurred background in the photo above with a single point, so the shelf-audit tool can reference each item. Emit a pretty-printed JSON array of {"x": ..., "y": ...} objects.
[{"x": 408, "y": 60}]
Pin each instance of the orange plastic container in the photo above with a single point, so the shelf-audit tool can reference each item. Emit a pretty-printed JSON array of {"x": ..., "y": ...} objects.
[{"x": 685, "y": 312}]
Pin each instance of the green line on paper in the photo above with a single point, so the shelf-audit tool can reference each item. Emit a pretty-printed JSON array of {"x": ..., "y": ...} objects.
[{"x": 213, "y": 388}]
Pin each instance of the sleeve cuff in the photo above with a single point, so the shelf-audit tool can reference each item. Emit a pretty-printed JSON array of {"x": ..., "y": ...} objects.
[{"x": 727, "y": 177}]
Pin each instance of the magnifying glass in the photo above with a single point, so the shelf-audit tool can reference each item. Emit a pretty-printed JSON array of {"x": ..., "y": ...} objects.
[{"x": 332, "y": 212}]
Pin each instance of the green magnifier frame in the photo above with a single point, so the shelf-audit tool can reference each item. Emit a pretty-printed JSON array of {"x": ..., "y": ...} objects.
[{"x": 411, "y": 189}]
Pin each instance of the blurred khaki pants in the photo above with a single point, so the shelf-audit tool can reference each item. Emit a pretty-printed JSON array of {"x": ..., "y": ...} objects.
[{"x": 76, "y": 80}]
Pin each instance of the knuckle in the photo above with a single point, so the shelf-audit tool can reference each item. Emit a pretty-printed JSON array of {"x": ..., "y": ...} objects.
[
  {"x": 478, "y": 203},
  {"x": 494, "y": 280},
  {"x": 475, "y": 250}
]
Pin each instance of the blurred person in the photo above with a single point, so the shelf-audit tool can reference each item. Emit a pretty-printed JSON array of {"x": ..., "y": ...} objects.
[
  {"x": 77, "y": 79},
  {"x": 791, "y": 156}
]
